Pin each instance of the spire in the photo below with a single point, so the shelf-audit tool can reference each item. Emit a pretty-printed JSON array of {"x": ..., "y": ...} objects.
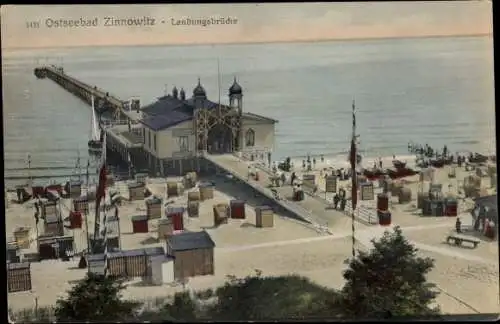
[
  {"x": 199, "y": 91},
  {"x": 235, "y": 88}
]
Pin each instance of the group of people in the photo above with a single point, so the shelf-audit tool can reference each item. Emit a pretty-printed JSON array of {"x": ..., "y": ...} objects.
[{"x": 426, "y": 150}]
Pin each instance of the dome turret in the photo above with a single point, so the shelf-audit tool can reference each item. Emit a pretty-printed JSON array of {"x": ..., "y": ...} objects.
[
  {"x": 199, "y": 91},
  {"x": 235, "y": 88}
]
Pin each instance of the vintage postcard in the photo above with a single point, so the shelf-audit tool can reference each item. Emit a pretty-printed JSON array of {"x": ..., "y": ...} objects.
[{"x": 181, "y": 148}]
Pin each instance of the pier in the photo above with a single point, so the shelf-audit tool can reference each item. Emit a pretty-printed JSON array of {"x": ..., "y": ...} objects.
[{"x": 103, "y": 100}]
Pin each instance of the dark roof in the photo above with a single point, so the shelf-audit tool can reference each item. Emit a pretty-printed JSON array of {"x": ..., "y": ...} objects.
[
  {"x": 169, "y": 111},
  {"x": 199, "y": 91},
  {"x": 235, "y": 88},
  {"x": 159, "y": 122},
  {"x": 487, "y": 201},
  {"x": 191, "y": 241}
]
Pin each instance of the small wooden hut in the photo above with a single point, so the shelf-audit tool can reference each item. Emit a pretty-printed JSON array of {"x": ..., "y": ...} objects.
[
  {"x": 13, "y": 253},
  {"x": 190, "y": 180},
  {"x": 47, "y": 247},
  {"x": 18, "y": 277},
  {"x": 136, "y": 191},
  {"x": 221, "y": 214},
  {"x": 165, "y": 228},
  {"x": 53, "y": 225},
  {"x": 174, "y": 189},
  {"x": 206, "y": 191},
  {"x": 153, "y": 208},
  {"x": 22, "y": 237},
  {"x": 193, "y": 254},
  {"x": 49, "y": 208},
  {"x": 96, "y": 263},
  {"x": 264, "y": 216}
]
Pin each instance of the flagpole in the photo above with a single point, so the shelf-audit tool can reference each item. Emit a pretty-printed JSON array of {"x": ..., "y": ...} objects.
[
  {"x": 354, "y": 191},
  {"x": 86, "y": 214}
]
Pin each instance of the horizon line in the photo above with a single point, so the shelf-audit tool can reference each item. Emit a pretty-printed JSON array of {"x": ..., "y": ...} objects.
[{"x": 320, "y": 40}]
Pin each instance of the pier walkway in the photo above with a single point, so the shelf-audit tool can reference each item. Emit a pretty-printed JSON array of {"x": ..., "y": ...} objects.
[
  {"x": 363, "y": 214},
  {"x": 313, "y": 209},
  {"x": 85, "y": 91}
]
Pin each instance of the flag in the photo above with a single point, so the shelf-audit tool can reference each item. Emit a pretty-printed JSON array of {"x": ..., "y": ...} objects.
[
  {"x": 101, "y": 186},
  {"x": 353, "y": 160}
]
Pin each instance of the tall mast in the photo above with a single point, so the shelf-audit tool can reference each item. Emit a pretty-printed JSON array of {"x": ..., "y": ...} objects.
[
  {"x": 218, "y": 80},
  {"x": 354, "y": 191},
  {"x": 89, "y": 250}
]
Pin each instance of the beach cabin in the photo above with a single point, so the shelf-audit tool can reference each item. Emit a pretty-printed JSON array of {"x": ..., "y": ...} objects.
[
  {"x": 18, "y": 277},
  {"x": 193, "y": 254}
]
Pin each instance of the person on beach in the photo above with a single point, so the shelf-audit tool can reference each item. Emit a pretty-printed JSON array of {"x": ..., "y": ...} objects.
[
  {"x": 303, "y": 164},
  {"x": 336, "y": 199},
  {"x": 292, "y": 178},
  {"x": 380, "y": 162},
  {"x": 322, "y": 158},
  {"x": 314, "y": 162},
  {"x": 458, "y": 225}
]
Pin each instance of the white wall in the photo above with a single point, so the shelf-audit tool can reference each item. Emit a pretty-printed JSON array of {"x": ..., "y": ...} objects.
[
  {"x": 264, "y": 135},
  {"x": 168, "y": 140}
]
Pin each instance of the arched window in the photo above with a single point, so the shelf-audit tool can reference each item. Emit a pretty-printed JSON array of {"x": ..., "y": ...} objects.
[{"x": 250, "y": 138}]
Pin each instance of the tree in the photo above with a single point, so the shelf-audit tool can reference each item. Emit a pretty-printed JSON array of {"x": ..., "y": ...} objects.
[
  {"x": 272, "y": 298},
  {"x": 390, "y": 280},
  {"x": 95, "y": 298}
]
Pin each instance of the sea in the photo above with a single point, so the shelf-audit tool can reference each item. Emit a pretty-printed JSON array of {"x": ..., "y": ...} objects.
[{"x": 438, "y": 91}]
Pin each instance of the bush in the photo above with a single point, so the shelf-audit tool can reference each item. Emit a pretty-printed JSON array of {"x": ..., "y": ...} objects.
[
  {"x": 388, "y": 281},
  {"x": 267, "y": 298},
  {"x": 95, "y": 298}
]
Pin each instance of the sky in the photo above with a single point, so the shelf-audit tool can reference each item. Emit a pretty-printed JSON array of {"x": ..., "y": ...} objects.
[{"x": 270, "y": 22}]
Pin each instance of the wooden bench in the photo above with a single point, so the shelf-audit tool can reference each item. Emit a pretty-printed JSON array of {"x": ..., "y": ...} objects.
[{"x": 459, "y": 239}]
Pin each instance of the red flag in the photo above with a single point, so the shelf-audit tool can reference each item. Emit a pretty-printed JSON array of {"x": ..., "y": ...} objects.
[{"x": 354, "y": 189}]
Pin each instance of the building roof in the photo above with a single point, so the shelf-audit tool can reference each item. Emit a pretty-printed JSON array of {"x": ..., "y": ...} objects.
[
  {"x": 199, "y": 91},
  {"x": 248, "y": 115},
  {"x": 235, "y": 89},
  {"x": 169, "y": 111},
  {"x": 190, "y": 241}
]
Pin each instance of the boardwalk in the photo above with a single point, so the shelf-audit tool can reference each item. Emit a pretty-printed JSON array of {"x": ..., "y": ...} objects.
[{"x": 312, "y": 209}]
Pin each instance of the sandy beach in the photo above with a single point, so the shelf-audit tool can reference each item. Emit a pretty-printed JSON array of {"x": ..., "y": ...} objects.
[{"x": 289, "y": 247}]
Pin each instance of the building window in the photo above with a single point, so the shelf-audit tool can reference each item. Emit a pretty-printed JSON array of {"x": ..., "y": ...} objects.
[
  {"x": 154, "y": 143},
  {"x": 250, "y": 138},
  {"x": 183, "y": 143},
  {"x": 144, "y": 135},
  {"x": 149, "y": 139}
]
